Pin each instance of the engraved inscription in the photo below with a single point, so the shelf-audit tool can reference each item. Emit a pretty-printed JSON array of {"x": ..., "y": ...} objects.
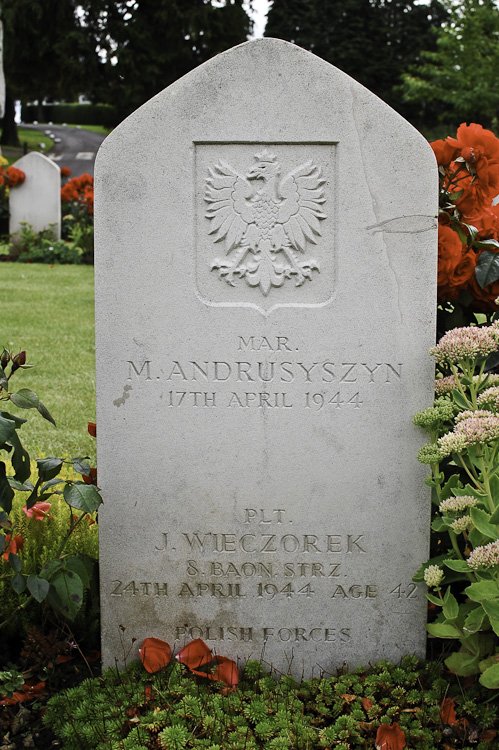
[
  {"x": 233, "y": 633},
  {"x": 268, "y": 559},
  {"x": 265, "y": 220}
]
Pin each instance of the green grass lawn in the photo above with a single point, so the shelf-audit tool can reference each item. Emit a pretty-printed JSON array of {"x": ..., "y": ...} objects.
[
  {"x": 93, "y": 128},
  {"x": 32, "y": 138},
  {"x": 49, "y": 312}
]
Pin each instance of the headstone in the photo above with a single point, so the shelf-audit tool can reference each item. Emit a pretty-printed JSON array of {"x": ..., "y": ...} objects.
[
  {"x": 38, "y": 200},
  {"x": 265, "y": 281}
]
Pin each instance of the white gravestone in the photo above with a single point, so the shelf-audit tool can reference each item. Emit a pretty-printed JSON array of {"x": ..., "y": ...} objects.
[
  {"x": 265, "y": 281},
  {"x": 38, "y": 200}
]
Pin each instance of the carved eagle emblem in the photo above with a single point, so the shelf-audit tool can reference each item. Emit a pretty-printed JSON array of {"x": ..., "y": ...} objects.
[{"x": 265, "y": 220}]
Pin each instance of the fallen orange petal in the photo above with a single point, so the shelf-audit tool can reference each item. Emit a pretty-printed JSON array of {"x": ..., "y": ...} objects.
[
  {"x": 366, "y": 703},
  {"x": 390, "y": 737},
  {"x": 348, "y": 698},
  {"x": 195, "y": 654},
  {"x": 155, "y": 654},
  {"x": 226, "y": 671},
  {"x": 63, "y": 658},
  {"x": 487, "y": 735},
  {"x": 448, "y": 711}
]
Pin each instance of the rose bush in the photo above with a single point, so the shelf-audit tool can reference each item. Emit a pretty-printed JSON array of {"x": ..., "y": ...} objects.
[{"x": 468, "y": 237}]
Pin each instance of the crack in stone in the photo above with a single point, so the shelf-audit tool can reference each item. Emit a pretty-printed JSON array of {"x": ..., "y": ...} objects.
[
  {"x": 374, "y": 203},
  {"x": 425, "y": 222}
]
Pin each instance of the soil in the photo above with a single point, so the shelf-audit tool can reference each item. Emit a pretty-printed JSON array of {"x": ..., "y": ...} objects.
[{"x": 50, "y": 663}]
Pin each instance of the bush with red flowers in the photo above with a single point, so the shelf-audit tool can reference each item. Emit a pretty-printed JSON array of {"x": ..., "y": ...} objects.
[
  {"x": 61, "y": 582},
  {"x": 9, "y": 178},
  {"x": 468, "y": 237},
  {"x": 77, "y": 197}
]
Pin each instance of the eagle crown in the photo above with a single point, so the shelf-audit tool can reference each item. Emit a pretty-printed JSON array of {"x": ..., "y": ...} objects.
[{"x": 266, "y": 167}]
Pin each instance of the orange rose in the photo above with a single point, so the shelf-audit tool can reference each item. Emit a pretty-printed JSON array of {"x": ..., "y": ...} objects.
[
  {"x": 456, "y": 264},
  {"x": 444, "y": 152},
  {"x": 12, "y": 545},
  {"x": 15, "y": 176}
]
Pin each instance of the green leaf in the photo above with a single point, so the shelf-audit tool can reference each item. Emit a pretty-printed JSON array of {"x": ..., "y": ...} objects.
[
  {"x": 439, "y": 524},
  {"x": 18, "y": 583},
  {"x": 81, "y": 466},
  {"x": 7, "y": 427},
  {"x": 481, "y": 521},
  {"x": 20, "y": 459},
  {"x": 454, "y": 197},
  {"x": 487, "y": 268},
  {"x": 15, "y": 562},
  {"x": 14, "y": 418},
  {"x": 27, "y": 487},
  {"x": 449, "y": 487},
  {"x": 51, "y": 483},
  {"x": 460, "y": 566},
  {"x": 442, "y": 630},
  {"x": 469, "y": 490},
  {"x": 48, "y": 468},
  {"x": 472, "y": 231},
  {"x": 25, "y": 399},
  {"x": 460, "y": 400},
  {"x": 69, "y": 589},
  {"x": 482, "y": 591},
  {"x": 6, "y": 491},
  {"x": 491, "y": 606},
  {"x": 490, "y": 678},
  {"x": 474, "y": 620},
  {"x": 487, "y": 243},
  {"x": 38, "y": 587},
  {"x": 433, "y": 599},
  {"x": 2, "y": 543},
  {"x": 45, "y": 413},
  {"x": 451, "y": 607},
  {"x": 82, "y": 496},
  {"x": 475, "y": 537},
  {"x": 50, "y": 568},
  {"x": 77, "y": 565},
  {"x": 462, "y": 663},
  {"x": 495, "y": 625}
]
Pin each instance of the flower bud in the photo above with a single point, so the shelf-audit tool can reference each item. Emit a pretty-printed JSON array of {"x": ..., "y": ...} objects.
[
  {"x": 4, "y": 358},
  {"x": 18, "y": 360},
  {"x": 468, "y": 154}
]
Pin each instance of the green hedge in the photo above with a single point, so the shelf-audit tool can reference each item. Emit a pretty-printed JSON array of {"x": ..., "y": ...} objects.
[{"x": 76, "y": 114}]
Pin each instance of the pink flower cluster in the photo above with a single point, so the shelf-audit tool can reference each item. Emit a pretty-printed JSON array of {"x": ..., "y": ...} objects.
[
  {"x": 490, "y": 396},
  {"x": 472, "y": 427},
  {"x": 445, "y": 385},
  {"x": 466, "y": 343},
  {"x": 457, "y": 504},
  {"x": 484, "y": 557}
]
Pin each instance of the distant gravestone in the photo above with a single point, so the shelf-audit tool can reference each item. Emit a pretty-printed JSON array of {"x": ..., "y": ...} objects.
[
  {"x": 265, "y": 286},
  {"x": 38, "y": 200}
]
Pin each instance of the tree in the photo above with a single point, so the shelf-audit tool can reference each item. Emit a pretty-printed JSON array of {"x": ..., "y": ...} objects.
[
  {"x": 147, "y": 44},
  {"x": 47, "y": 53},
  {"x": 461, "y": 75},
  {"x": 374, "y": 41}
]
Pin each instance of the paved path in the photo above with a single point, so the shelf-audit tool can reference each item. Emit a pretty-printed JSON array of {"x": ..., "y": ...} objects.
[{"x": 73, "y": 147}]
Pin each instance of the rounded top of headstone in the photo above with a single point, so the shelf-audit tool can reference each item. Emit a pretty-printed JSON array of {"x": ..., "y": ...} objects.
[{"x": 37, "y": 160}]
